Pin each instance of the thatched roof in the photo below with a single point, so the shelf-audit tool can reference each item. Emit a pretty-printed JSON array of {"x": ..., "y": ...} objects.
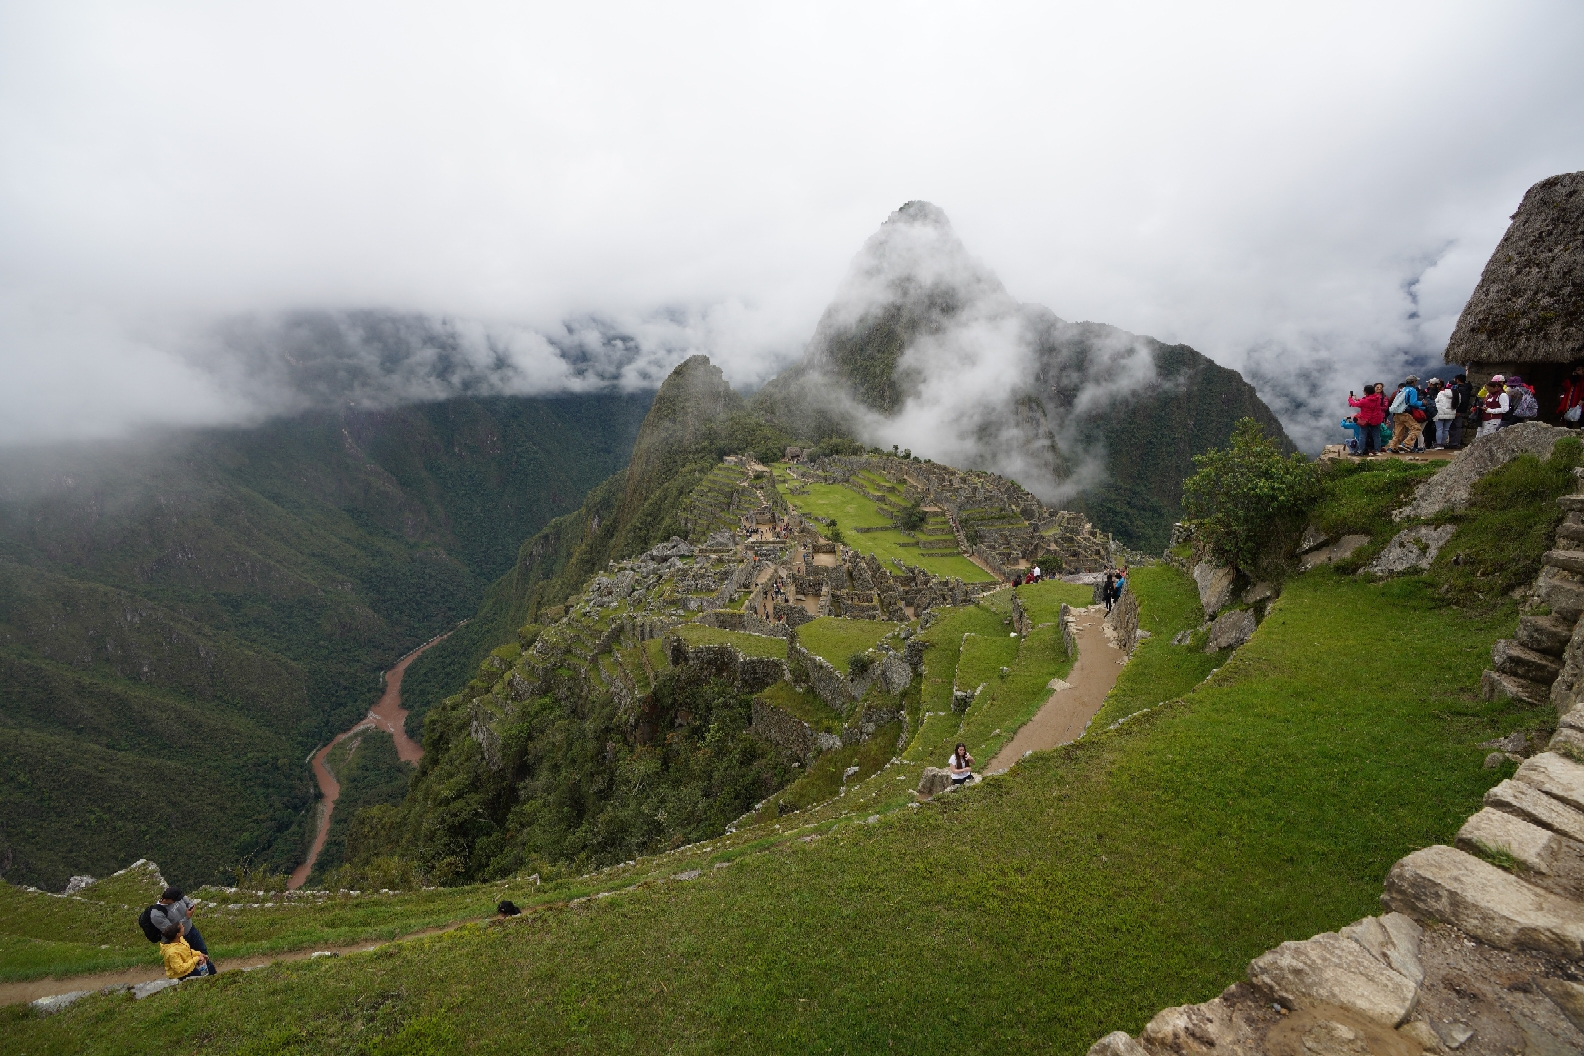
[{"x": 1529, "y": 305}]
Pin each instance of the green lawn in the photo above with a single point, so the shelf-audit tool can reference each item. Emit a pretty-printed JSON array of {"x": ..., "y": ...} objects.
[
  {"x": 746, "y": 644},
  {"x": 1078, "y": 894},
  {"x": 835, "y": 639},
  {"x": 851, "y": 510}
]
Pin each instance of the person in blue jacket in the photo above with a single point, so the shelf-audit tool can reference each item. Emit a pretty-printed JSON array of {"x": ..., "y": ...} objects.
[{"x": 1405, "y": 426}]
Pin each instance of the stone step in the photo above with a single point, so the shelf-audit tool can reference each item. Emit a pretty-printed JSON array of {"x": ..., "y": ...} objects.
[
  {"x": 1510, "y": 658},
  {"x": 1571, "y": 503},
  {"x": 1566, "y": 599},
  {"x": 1495, "y": 685},
  {"x": 1531, "y": 804},
  {"x": 1545, "y": 634},
  {"x": 1331, "y": 970},
  {"x": 1573, "y": 533},
  {"x": 1549, "y": 861},
  {"x": 1567, "y": 560},
  {"x": 1558, "y": 777},
  {"x": 1448, "y": 885}
]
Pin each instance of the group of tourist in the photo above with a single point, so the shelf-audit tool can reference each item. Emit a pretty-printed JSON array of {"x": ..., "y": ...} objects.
[
  {"x": 182, "y": 949},
  {"x": 1439, "y": 415},
  {"x": 1033, "y": 575},
  {"x": 1114, "y": 583}
]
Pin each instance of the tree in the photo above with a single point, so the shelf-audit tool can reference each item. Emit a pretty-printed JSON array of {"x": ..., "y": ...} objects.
[{"x": 1247, "y": 498}]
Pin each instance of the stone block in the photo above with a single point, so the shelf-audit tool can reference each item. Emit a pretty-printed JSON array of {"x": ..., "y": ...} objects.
[
  {"x": 1230, "y": 630},
  {"x": 1445, "y": 884},
  {"x": 45, "y": 1006},
  {"x": 1549, "y": 860},
  {"x": 1544, "y": 634},
  {"x": 1510, "y": 658},
  {"x": 1312, "y": 537},
  {"x": 1411, "y": 549},
  {"x": 1567, "y": 560},
  {"x": 1215, "y": 586},
  {"x": 1558, "y": 777},
  {"x": 1393, "y": 939},
  {"x": 1525, "y": 801},
  {"x": 1331, "y": 970},
  {"x": 1566, "y": 599},
  {"x": 1117, "y": 1043},
  {"x": 934, "y": 781},
  {"x": 1496, "y": 685}
]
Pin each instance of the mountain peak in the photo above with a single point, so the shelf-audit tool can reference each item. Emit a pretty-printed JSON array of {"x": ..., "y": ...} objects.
[{"x": 919, "y": 211}]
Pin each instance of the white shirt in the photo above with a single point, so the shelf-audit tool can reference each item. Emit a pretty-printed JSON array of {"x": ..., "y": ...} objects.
[{"x": 951, "y": 764}]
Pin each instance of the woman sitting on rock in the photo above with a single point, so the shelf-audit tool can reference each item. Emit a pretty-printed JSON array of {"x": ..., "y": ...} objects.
[{"x": 961, "y": 765}]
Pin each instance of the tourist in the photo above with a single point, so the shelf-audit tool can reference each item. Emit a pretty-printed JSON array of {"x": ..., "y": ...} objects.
[
  {"x": 1106, "y": 587},
  {"x": 1522, "y": 405},
  {"x": 1408, "y": 414},
  {"x": 1120, "y": 585},
  {"x": 175, "y": 908},
  {"x": 1494, "y": 405},
  {"x": 961, "y": 764},
  {"x": 1036, "y": 573},
  {"x": 1355, "y": 444},
  {"x": 507, "y": 908},
  {"x": 1462, "y": 400},
  {"x": 1570, "y": 408},
  {"x": 181, "y": 960},
  {"x": 1446, "y": 414}
]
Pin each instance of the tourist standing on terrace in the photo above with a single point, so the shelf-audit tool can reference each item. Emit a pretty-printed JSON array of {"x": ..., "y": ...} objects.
[
  {"x": 1570, "y": 408},
  {"x": 1406, "y": 426},
  {"x": 1371, "y": 413},
  {"x": 1446, "y": 414},
  {"x": 1495, "y": 405}
]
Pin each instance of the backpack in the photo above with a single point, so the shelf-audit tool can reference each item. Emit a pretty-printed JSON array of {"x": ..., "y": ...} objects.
[
  {"x": 1528, "y": 407},
  {"x": 146, "y": 922},
  {"x": 1400, "y": 401}
]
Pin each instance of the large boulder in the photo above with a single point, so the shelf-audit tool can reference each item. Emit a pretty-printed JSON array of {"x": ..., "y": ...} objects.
[
  {"x": 1230, "y": 630},
  {"x": 934, "y": 782},
  {"x": 1215, "y": 586},
  {"x": 1450, "y": 488},
  {"x": 1411, "y": 548}
]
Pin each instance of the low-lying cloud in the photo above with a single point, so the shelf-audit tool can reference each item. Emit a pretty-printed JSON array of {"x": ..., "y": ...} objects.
[{"x": 559, "y": 198}]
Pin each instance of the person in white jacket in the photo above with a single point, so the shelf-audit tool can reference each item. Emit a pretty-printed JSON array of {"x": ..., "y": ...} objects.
[{"x": 1445, "y": 404}]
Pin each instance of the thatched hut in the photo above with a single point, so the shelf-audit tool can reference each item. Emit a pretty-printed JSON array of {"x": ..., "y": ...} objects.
[{"x": 1527, "y": 314}]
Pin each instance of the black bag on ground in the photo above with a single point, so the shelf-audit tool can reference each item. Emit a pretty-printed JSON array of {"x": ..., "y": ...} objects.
[{"x": 150, "y": 930}]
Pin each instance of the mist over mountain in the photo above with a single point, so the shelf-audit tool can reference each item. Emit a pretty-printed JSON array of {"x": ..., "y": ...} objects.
[{"x": 923, "y": 347}]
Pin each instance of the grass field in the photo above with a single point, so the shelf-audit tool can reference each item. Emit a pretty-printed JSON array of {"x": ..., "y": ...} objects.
[
  {"x": 746, "y": 644},
  {"x": 851, "y": 510},
  {"x": 835, "y": 640},
  {"x": 1077, "y": 894}
]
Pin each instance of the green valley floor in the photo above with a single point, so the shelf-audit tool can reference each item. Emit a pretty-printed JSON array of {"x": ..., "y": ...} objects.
[{"x": 1259, "y": 800}]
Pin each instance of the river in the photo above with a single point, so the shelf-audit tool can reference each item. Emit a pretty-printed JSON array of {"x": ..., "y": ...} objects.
[{"x": 387, "y": 715}]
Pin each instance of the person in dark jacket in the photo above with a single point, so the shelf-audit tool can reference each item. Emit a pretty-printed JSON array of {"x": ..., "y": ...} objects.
[{"x": 1461, "y": 397}]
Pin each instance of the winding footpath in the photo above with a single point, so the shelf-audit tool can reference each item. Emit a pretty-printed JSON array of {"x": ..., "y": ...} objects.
[
  {"x": 387, "y": 715},
  {"x": 1066, "y": 715}
]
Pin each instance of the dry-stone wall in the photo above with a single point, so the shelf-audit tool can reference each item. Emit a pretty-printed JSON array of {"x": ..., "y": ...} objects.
[{"x": 788, "y": 732}]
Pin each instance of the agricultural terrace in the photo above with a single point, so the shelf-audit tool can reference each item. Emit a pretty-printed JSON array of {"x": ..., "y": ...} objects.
[
  {"x": 834, "y": 639},
  {"x": 933, "y": 549}
]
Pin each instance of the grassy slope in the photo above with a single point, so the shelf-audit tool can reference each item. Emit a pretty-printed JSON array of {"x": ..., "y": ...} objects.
[
  {"x": 851, "y": 510},
  {"x": 1080, "y": 893}
]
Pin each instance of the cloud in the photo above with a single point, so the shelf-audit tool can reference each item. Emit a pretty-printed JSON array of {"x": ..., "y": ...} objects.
[{"x": 1305, "y": 194}]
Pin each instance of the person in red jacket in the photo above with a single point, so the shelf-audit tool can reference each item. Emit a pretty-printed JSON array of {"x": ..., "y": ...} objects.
[
  {"x": 1371, "y": 413},
  {"x": 1570, "y": 408}
]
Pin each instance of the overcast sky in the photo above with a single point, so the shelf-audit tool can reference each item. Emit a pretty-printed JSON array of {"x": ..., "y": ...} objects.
[{"x": 1308, "y": 197}]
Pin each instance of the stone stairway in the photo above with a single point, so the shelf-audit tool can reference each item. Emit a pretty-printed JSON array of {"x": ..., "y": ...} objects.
[{"x": 1528, "y": 665}]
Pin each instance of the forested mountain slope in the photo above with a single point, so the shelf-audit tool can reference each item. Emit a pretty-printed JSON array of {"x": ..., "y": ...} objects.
[
  {"x": 184, "y": 619},
  {"x": 922, "y": 344}
]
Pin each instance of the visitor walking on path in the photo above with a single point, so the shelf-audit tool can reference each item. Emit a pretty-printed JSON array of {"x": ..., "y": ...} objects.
[
  {"x": 961, "y": 764},
  {"x": 1408, "y": 416},
  {"x": 1371, "y": 413},
  {"x": 1107, "y": 586}
]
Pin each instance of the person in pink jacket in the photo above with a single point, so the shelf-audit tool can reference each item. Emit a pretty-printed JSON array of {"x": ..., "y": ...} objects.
[{"x": 1371, "y": 413}]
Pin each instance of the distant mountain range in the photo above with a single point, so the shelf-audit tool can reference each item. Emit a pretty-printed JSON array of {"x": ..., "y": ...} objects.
[{"x": 183, "y": 620}]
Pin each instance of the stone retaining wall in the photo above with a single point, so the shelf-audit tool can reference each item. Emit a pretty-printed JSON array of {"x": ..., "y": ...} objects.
[
  {"x": 788, "y": 732},
  {"x": 749, "y": 674}
]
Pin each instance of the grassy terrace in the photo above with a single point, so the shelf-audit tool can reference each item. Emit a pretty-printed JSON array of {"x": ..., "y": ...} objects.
[
  {"x": 851, "y": 510},
  {"x": 835, "y": 639},
  {"x": 746, "y": 644},
  {"x": 806, "y": 706},
  {"x": 1078, "y": 894}
]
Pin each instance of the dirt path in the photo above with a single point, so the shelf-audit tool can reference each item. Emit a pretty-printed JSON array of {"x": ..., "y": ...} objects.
[
  {"x": 387, "y": 715},
  {"x": 1068, "y": 711}
]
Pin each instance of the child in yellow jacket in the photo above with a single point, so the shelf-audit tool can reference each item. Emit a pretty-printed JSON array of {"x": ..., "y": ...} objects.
[{"x": 181, "y": 960}]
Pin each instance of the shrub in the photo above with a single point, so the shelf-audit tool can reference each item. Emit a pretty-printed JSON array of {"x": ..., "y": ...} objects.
[
  {"x": 858, "y": 665},
  {"x": 834, "y": 533},
  {"x": 911, "y": 519},
  {"x": 1247, "y": 499}
]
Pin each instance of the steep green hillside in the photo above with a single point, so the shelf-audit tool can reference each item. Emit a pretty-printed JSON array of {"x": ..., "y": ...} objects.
[{"x": 182, "y": 620}]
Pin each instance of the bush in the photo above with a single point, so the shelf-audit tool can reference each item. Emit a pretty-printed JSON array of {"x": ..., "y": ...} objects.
[
  {"x": 834, "y": 533},
  {"x": 858, "y": 665},
  {"x": 911, "y": 519},
  {"x": 1248, "y": 500}
]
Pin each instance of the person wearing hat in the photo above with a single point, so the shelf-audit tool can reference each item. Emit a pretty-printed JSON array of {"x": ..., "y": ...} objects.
[
  {"x": 1521, "y": 403},
  {"x": 1496, "y": 405},
  {"x": 1405, "y": 426}
]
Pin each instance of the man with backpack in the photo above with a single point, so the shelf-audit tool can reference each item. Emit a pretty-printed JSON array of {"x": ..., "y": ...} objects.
[
  {"x": 1408, "y": 417},
  {"x": 173, "y": 910}
]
